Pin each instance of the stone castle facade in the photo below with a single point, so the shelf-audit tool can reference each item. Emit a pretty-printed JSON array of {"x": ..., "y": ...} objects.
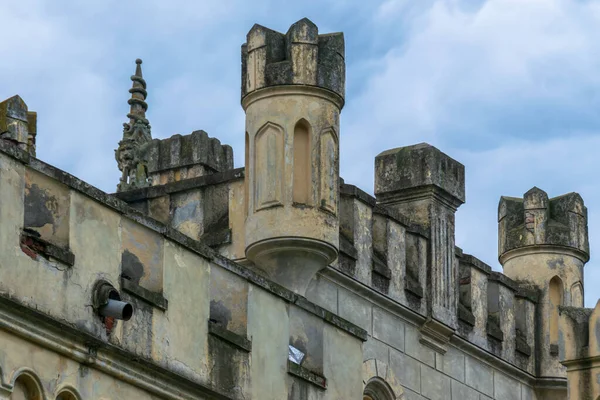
[{"x": 278, "y": 280}]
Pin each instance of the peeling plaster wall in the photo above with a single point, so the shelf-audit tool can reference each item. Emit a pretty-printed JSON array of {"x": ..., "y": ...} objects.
[{"x": 170, "y": 333}]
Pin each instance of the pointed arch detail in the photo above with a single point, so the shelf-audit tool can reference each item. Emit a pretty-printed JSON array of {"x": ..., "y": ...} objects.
[
  {"x": 577, "y": 295},
  {"x": 556, "y": 295},
  {"x": 27, "y": 385},
  {"x": 268, "y": 166},
  {"x": 302, "y": 162},
  {"x": 329, "y": 170}
]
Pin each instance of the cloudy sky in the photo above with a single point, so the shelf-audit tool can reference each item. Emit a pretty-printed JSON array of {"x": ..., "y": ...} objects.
[{"x": 510, "y": 88}]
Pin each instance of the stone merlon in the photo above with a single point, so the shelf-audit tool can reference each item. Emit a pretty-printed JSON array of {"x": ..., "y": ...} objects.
[
  {"x": 537, "y": 220},
  {"x": 299, "y": 57},
  {"x": 402, "y": 170}
]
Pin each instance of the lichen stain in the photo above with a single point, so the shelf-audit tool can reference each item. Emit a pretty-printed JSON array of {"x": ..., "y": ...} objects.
[{"x": 555, "y": 263}]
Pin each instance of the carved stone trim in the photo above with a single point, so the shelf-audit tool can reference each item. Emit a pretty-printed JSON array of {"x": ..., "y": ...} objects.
[
  {"x": 288, "y": 90},
  {"x": 543, "y": 249},
  {"x": 436, "y": 335}
]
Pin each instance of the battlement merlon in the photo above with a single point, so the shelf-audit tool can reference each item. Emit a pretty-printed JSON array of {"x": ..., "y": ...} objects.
[
  {"x": 299, "y": 57},
  {"x": 406, "y": 174},
  {"x": 536, "y": 220},
  {"x": 18, "y": 125}
]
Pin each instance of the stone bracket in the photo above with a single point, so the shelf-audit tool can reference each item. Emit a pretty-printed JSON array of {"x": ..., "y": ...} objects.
[
  {"x": 436, "y": 335},
  {"x": 307, "y": 375}
]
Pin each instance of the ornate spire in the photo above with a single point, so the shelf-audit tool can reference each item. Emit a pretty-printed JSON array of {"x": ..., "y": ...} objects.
[{"x": 130, "y": 155}]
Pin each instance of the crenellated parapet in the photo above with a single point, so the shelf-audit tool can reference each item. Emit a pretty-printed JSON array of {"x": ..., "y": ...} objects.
[
  {"x": 299, "y": 57},
  {"x": 183, "y": 157},
  {"x": 536, "y": 220},
  {"x": 388, "y": 251}
]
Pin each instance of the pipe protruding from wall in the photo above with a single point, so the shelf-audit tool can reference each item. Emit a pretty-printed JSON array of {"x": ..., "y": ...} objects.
[{"x": 107, "y": 302}]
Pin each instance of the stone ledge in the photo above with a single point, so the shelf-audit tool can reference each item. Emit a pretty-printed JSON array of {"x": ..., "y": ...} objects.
[
  {"x": 475, "y": 262},
  {"x": 33, "y": 245},
  {"x": 525, "y": 291},
  {"x": 215, "y": 329},
  {"x": 347, "y": 247},
  {"x": 413, "y": 287},
  {"x": 309, "y": 376},
  {"x": 466, "y": 315},
  {"x": 494, "y": 331},
  {"x": 522, "y": 347},
  {"x": 217, "y": 238},
  {"x": 155, "y": 299},
  {"x": 503, "y": 280},
  {"x": 332, "y": 318}
]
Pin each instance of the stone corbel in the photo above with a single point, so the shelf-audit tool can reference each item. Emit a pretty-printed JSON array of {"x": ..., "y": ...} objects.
[{"x": 436, "y": 335}]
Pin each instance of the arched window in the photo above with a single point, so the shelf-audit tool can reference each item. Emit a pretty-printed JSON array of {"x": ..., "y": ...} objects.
[
  {"x": 26, "y": 387},
  {"x": 556, "y": 299},
  {"x": 378, "y": 389},
  {"x": 301, "y": 162},
  {"x": 67, "y": 395}
]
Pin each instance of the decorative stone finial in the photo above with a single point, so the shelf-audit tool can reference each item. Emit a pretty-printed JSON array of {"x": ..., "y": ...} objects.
[{"x": 136, "y": 136}]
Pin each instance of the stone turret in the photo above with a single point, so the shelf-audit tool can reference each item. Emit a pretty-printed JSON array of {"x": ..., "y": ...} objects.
[
  {"x": 292, "y": 93},
  {"x": 544, "y": 242},
  {"x": 17, "y": 124}
]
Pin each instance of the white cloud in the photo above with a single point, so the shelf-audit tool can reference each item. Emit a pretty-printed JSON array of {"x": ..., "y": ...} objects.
[
  {"x": 503, "y": 88},
  {"x": 500, "y": 85}
]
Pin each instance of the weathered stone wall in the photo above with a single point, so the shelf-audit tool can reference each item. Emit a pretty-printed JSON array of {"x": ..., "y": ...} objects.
[
  {"x": 203, "y": 327},
  {"x": 416, "y": 371}
]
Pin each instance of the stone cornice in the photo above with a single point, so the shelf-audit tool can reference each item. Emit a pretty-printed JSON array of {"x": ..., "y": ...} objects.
[
  {"x": 543, "y": 249},
  {"x": 287, "y": 90}
]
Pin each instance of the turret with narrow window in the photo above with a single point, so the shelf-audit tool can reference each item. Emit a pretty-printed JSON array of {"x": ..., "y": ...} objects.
[
  {"x": 544, "y": 242},
  {"x": 292, "y": 93}
]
